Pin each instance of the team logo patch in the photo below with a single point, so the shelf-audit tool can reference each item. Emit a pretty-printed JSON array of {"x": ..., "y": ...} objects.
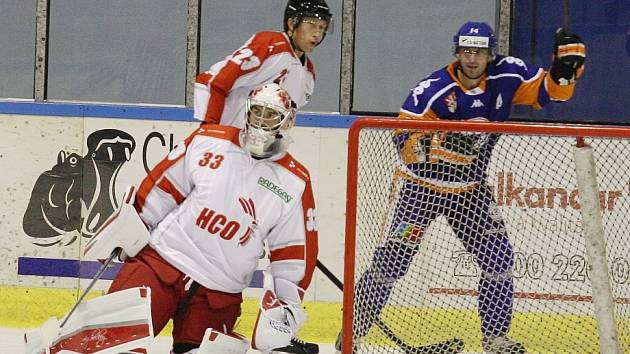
[
  {"x": 451, "y": 102},
  {"x": 409, "y": 232},
  {"x": 250, "y": 209},
  {"x": 477, "y": 104}
]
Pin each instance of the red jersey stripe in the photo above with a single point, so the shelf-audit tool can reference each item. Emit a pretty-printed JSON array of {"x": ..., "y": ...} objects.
[{"x": 288, "y": 253}]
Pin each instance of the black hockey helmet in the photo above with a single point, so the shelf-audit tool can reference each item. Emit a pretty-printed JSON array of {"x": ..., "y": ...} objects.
[{"x": 299, "y": 9}]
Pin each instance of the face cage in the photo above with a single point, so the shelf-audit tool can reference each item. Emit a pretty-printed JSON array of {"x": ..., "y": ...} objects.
[{"x": 286, "y": 121}]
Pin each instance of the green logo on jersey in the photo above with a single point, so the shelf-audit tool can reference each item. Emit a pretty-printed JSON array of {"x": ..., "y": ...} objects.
[{"x": 277, "y": 190}]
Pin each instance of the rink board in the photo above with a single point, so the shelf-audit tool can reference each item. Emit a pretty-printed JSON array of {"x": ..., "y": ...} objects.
[
  {"x": 53, "y": 140},
  {"x": 42, "y": 267},
  {"x": 25, "y": 308},
  {"x": 44, "y": 245}
]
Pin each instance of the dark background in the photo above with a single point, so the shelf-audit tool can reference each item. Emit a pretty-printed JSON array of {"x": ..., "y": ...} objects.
[{"x": 602, "y": 94}]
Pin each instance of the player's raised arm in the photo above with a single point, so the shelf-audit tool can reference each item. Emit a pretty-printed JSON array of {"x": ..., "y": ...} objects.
[{"x": 539, "y": 87}]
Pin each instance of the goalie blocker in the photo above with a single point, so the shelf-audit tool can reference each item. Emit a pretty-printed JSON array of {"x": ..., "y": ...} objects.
[
  {"x": 123, "y": 229},
  {"x": 280, "y": 315}
]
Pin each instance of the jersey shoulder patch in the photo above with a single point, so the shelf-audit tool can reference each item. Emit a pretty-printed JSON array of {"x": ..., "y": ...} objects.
[
  {"x": 222, "y": 132},
  {"x": 295, "y": 167},
  {"x": 424, "y": 95},
  {"x": 432, "y": 84},
  {"x": 276, "y": 42},
  {"x": 508, "y": 65}
]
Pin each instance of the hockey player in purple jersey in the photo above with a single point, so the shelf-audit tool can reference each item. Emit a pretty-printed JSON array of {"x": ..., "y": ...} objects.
[{"x": 445, "y": 173}]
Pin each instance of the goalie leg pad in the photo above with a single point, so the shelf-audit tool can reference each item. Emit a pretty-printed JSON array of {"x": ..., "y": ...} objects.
[
  {"x": 291, "y": 295},
  {"x": 217, "y": 342},
  {"x": 115, "y": 322}
]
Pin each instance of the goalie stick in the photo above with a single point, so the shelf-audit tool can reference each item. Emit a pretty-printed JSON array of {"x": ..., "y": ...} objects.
[
  {"x": 450, "y": 346},
  {"x": 97, "y": 276}
]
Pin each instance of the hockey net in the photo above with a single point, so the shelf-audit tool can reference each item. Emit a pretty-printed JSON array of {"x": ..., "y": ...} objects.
[{"x": 400, "y": 234}]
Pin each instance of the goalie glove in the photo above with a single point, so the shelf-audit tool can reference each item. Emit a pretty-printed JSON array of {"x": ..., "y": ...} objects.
[
  {"x": 278, "y": 320},
  {"x": 290, "y": 296},
  {"x": 123, "y": 229},
  {"x": 569, "y": 56}
]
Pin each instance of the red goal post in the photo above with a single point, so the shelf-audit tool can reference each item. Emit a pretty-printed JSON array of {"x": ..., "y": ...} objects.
[{"x": 533, "y": 179}]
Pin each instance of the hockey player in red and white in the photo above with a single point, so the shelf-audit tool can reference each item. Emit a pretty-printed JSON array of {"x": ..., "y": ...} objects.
[
  {"x": 267, "y": 57},
  {"x": 211, "y": 205}
]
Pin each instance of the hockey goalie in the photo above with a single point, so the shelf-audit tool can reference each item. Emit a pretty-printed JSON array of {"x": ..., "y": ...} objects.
[{"x": 204, "y": 214}]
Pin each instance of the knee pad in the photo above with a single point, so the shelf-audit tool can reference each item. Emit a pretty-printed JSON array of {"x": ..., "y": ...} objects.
[{"x": 218, "y": 342}]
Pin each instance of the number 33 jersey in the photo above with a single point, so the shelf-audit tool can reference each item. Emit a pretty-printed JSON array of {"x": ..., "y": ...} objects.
[{"x": 211, "y": 207}]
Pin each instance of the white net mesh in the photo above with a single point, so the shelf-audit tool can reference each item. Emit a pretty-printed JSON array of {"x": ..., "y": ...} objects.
[{"x": 479, "y": 236}]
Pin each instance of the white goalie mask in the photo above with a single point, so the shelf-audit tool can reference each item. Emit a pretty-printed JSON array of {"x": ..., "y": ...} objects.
[{"x": 270, "y": 114}]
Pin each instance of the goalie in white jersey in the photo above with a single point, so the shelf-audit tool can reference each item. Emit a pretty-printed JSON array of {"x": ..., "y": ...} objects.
[{"x": 210, "y": 206}]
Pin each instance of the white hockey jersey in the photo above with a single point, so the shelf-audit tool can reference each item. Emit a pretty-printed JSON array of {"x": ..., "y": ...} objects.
[
  {"x": 266, "y": 57},
  {"x": 211, "y": 207}
]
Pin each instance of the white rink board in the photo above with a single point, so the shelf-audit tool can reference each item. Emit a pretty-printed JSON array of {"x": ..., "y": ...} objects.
[
  {"x": 541, "y": 212},
  {"x": 31, "y": 145}
]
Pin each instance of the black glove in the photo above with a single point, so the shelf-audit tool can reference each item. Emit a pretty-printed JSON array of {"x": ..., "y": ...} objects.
[{"x": 568, "y": 60}]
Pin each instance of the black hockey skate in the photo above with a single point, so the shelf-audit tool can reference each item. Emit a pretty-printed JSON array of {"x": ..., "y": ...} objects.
[{"x": 298, "y": 346}]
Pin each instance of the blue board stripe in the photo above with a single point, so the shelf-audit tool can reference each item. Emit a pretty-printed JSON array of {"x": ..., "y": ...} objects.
[
  {"x": 166, "y": 113},
  {"x": 71, "y": 268},
  {"x": 42, "y": 109},
  {"x": 139, "y": 112}
]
